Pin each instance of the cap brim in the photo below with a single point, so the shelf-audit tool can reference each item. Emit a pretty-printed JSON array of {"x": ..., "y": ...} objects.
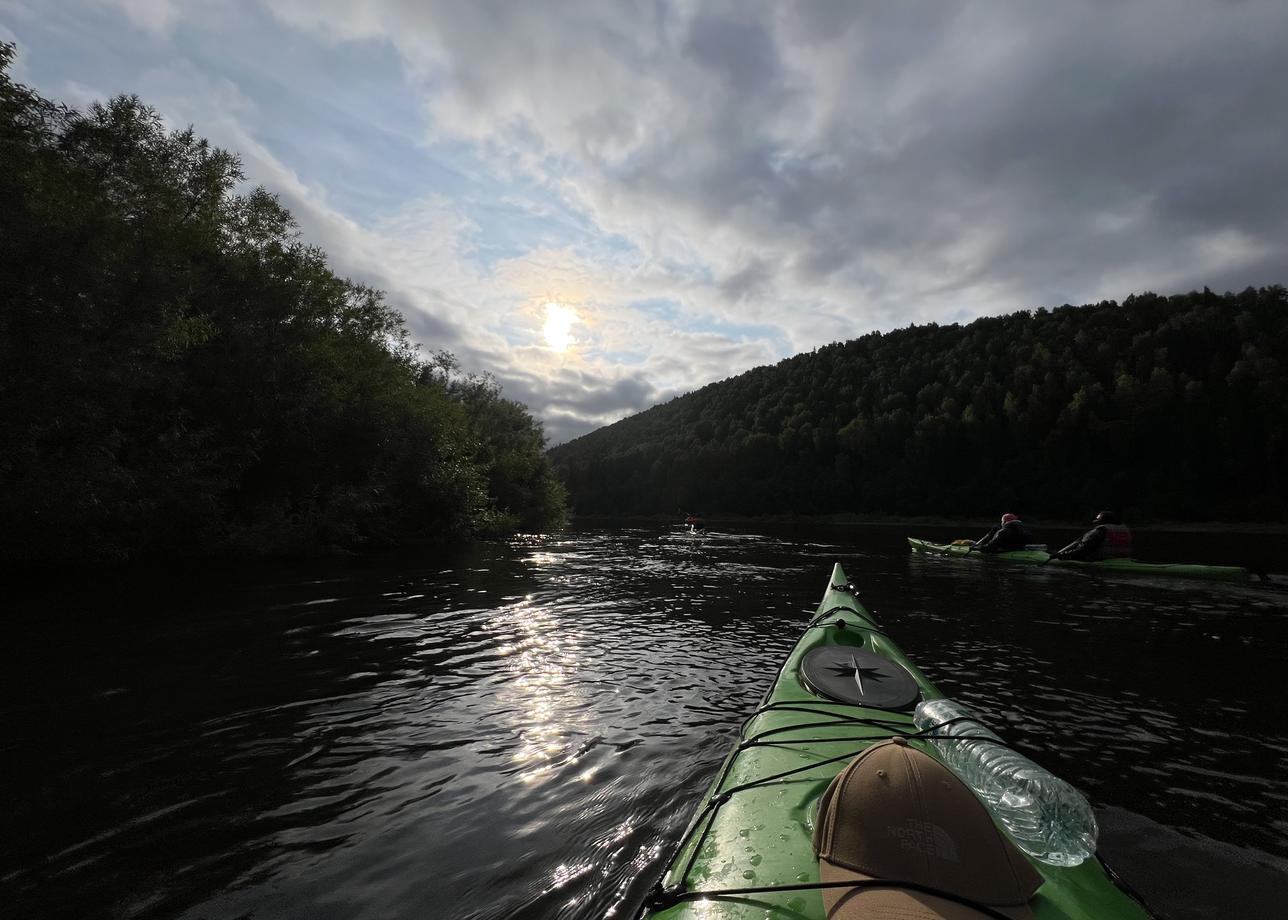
[{"x": 888, "y": 902}]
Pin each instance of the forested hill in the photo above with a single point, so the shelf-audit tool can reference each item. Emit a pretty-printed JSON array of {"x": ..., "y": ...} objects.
[
  {"x": 1163, "y": 407},
  {"x": 181, "y": 374}
]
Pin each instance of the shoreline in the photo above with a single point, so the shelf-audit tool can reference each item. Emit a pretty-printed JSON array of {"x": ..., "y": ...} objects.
[{"x": 856, "y": 520}]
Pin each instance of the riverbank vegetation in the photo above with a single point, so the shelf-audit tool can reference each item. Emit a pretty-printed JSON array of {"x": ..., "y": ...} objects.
[
  {"x": 181, "y": 374},
  {"x": 1171, "y": 408}
]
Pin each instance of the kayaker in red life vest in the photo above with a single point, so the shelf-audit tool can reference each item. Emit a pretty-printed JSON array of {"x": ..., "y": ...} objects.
[
  {"x": 1009, "y": 535},
  {"x": 1108, "y": 538}
]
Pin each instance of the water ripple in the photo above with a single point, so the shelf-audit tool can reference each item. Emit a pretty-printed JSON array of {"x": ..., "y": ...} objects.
[{"x": 524, "y": 733}]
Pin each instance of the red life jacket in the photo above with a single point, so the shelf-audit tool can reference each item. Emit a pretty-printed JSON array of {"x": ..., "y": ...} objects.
[{"x": 1117, "y": 543}]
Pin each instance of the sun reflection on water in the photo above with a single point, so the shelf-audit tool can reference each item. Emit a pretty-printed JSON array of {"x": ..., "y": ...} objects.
[{"x": 543, "y": 695}]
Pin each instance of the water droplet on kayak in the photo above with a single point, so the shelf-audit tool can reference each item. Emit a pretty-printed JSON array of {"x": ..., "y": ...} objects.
[
  {"x": 755, "y": 860},
  {"x": 749, "y": 874},
  {"x": 745, "y": 832},
  {"x": 802, "y": 876}
]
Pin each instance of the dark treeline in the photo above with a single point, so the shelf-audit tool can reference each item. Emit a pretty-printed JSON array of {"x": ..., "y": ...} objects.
[
  {"x": 1163, "y": 407},
  {"x": 181, "y": 375}
]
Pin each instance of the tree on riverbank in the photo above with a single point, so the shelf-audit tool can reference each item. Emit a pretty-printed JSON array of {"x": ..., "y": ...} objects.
[
  {"x": 1167, "y": 407},
  {"x": 181, "y": 374}
]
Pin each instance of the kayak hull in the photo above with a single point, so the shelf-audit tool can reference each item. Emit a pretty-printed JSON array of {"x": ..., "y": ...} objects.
[
  {"x": 760, "y": 837},
  {"x": 1119, "y": 566}
]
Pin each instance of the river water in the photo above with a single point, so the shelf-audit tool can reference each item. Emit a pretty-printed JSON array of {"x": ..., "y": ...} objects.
[{"x": 523, "y": 730}]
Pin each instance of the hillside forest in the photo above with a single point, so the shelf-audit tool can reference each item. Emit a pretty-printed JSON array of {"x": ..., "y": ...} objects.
[
  {"x": 182, "y": 375},
  {"x": 1163, "y": 408}
]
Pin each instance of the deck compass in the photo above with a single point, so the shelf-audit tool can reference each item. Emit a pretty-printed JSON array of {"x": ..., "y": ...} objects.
[{"x": 849, "y": 674}]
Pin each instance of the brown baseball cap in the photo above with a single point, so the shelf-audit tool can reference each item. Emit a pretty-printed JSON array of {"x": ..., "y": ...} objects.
[{"x": 897, "y": 815}]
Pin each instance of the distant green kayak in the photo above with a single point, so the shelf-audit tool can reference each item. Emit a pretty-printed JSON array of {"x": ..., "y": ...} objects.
[
  {"x": 1129, "y": 566},
  {"x": 748, "y": 853}
]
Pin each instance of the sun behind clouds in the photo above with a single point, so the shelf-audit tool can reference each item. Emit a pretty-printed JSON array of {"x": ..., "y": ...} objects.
[{"x": 557, "y": 328}]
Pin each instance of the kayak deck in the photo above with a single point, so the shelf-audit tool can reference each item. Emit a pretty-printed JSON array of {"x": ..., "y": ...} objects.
[
  {"x": 754, "y": 827},
  {"x": 1128, "y": 566}
]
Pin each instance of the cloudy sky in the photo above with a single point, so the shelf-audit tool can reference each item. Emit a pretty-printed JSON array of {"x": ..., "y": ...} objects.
[{"x": 609, "y": 203}]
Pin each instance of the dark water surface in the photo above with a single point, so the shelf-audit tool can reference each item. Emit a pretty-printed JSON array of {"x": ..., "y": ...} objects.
[{"x": 524, "y": 731}]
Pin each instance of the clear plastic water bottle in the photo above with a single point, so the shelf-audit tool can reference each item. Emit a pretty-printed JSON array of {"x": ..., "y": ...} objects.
[{"x": 1048, "y": 818}]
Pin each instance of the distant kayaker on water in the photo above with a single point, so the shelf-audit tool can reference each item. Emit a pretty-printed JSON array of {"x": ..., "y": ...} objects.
[
  {"x": 1108, "y": 538},
  {"x": 1009, "y": 535}
]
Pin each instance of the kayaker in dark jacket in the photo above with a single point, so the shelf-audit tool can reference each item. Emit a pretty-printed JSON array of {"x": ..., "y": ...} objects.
[
  {"x": 1108, "y": 538},
  {"x": 1009, "y": 535}
]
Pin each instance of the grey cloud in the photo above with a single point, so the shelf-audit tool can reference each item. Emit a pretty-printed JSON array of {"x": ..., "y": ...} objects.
[
  {"x": 708, "y": 357},
  {"x": 596, "y": 397},
  {"x": 893, "y": 161},
  {"x": 429, "y": 330},
  {"x": 741, "y": 53},
  {"x": 426, "y": 325},
  {"x": 572, "y": 402},
  {"x": 561, "y": 428},
  {"x": 747, "y": 281},
  {"x": 838, "y": 165},
  {"x": 1078, "y": 117}
]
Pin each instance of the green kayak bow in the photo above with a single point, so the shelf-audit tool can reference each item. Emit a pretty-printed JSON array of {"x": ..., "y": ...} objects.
[{"x": 748, "y": 852}]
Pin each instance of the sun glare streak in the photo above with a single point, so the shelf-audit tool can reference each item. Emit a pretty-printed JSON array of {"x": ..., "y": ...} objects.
[
  {"x": 557, "y": 328},
  {"x": 543, "y": 696}
]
